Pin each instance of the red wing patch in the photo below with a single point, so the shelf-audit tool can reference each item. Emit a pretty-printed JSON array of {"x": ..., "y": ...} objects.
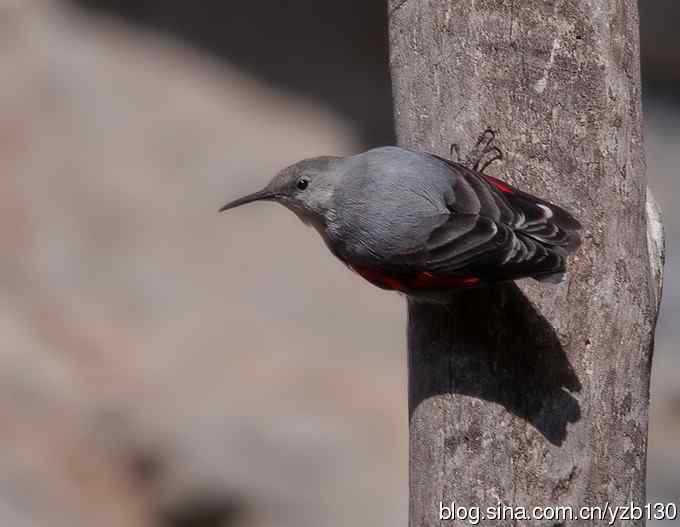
[
  {"x": 428, "y": 280},
  {"x": 381, "y": 280},
  {"x": 500, "y": 185},
  {"x": 422, "y": 280}
]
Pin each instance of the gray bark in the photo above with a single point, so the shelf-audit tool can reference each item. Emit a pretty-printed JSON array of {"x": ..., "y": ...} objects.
[{"x": 532, "y": 394}]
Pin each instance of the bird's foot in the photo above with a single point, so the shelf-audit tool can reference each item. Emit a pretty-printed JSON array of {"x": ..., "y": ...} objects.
[{"x": 478, "y": 159}]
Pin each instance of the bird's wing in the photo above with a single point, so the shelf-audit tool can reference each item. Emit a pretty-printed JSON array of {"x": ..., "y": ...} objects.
[
  {"x": 492, "y": 198},
  {"x": 497, "y": 232}
]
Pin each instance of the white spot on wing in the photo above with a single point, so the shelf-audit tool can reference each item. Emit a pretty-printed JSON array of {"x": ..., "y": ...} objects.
[{"x": 548, "y": 211}]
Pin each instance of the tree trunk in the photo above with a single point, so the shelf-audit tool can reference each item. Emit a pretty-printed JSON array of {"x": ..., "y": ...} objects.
[{"x": 534, "y": 395}]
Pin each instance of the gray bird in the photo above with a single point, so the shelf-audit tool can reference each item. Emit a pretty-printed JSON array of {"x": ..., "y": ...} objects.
[{"x": 424, "y": 225}]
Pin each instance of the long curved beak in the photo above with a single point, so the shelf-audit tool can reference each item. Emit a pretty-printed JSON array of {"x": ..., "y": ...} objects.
[{"x": 260, "y": 195}]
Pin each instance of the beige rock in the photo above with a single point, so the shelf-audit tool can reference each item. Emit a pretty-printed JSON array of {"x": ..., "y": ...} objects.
[{"x": 183, "y": 361}]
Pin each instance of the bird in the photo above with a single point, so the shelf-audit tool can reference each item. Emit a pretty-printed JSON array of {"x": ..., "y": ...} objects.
[{"x": 425, "y": 225}]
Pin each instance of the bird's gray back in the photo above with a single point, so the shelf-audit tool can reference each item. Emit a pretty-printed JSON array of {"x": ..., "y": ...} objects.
[{"x": 388, "y": 202}]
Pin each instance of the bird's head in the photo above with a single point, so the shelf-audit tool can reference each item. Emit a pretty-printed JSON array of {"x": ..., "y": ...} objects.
[{"x": 306, "y": 188}]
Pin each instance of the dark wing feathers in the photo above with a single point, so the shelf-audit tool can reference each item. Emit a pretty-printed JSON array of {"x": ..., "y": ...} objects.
[
  {"x": 498, "y": 232},
  {"x": 541, "y": 219},
  {"x": 481, "y": 241}
]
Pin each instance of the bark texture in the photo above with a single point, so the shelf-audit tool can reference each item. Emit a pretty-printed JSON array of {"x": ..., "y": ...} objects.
[{"x": 532, "y": 394}]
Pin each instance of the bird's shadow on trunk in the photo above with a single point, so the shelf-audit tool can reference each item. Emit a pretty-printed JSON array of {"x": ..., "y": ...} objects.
[{"x": 492, "y": 344}]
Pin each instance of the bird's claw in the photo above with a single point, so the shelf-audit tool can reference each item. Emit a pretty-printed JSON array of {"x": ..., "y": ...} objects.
[{"x": 478, "y": 158}]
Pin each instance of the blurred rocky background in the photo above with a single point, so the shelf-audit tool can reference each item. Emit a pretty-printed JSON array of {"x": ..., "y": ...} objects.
[{"x": 165, "y": 366}]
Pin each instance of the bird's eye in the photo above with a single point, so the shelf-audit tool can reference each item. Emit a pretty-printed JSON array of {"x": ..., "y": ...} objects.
[{"x": 302, "y": 183}]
